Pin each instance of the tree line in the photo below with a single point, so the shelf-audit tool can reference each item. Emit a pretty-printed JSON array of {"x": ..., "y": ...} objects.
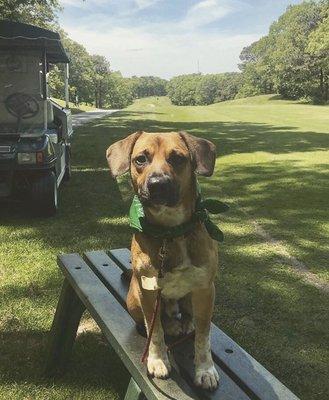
[
  {"x": 292, "y": 60},
  {"x": 198, "y": 89}
]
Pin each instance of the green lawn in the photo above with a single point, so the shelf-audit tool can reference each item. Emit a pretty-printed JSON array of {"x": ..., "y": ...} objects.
[{"x": 272, "y": 168}]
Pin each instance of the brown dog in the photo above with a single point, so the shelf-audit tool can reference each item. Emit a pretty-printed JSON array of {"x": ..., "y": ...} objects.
[{"x": 163, "y": 170}]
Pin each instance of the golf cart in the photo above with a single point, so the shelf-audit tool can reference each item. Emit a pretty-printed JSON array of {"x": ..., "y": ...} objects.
[{"x": 34, "y": 130}]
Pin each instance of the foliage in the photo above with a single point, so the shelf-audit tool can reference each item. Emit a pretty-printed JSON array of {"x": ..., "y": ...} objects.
[
  {"x": 36, "y": 12},
  {"x": 182, "y": 89},
  {"x": 293, "y": 58},
  {"x": 100, "y": 74},
  {"x": 81, "y": 73},
  {"x": 318, "y": 47},
  {"x": 197, "y": 89},
  {"x": 119, "y": 93},
  {"x": 146, "y": 86}
]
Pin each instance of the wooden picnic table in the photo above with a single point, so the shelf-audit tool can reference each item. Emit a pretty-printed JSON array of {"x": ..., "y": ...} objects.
[{"x": 98, "y": 281}]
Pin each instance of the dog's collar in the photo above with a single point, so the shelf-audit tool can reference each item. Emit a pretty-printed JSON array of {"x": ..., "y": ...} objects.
[{"x": 138, "y": 222}]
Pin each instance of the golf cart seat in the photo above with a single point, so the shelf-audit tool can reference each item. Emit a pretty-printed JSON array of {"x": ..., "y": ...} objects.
[{"x": 21, "y": 91}]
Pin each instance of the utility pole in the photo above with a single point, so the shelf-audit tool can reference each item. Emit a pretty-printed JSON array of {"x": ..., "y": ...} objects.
[{"x": 198, "y": 67}]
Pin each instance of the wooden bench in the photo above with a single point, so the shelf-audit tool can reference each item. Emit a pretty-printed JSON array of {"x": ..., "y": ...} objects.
[{"x": 98, "y": 282}]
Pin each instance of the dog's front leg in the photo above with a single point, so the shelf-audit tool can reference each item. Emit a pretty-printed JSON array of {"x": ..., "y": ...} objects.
[
  {"x": 206, "y": 375},
  {"x": 157, "y": 362}
]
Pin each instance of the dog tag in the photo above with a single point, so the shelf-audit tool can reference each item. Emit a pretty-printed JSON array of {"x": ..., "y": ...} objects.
[{"x": 149, "y": 283}]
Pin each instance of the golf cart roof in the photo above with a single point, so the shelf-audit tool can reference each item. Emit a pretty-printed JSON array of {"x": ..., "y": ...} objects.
[{"x": 19, "y": 36}]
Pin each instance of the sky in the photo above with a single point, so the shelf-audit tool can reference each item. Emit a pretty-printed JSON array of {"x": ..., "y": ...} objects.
[{"x": 169, "y": 37}]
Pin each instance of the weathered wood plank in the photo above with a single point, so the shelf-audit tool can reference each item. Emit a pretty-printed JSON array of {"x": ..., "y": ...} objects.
[
  {"x": 63, "y": 331},
  {"x": 103, "y": 265},
  {"x": 133, "y": 391},
  {"x": 122, "y": 258},
  {"x": 248, "y": 373},
  {"x": 119, "y": 329},
  {"x": 246, "y": 370},
  {"x": 111, "y": 275}
]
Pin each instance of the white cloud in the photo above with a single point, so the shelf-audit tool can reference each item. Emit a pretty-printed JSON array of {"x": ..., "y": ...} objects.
[
  {"x": 163, "y": 48},
  {"x": 141, "y": 4},
  {"x": 130, "y": 5},
  {"x": 135, "y": 51},
  {"x": 207, "y": 11},
  {"x": 83, "y": 4}
]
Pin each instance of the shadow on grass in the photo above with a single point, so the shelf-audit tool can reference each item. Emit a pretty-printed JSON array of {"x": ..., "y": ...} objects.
[
  {"x": 229, "y": 137},
  {"x": 289, "y": 200},
  {"x": 93, "y": 364}
]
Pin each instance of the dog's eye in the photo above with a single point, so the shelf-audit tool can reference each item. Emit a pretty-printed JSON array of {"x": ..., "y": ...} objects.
[
  {"x": 140, "y": 160},
  {"x": 176, "y": 159}
]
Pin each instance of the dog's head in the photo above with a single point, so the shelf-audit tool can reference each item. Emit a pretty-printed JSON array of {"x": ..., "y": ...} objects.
[{"x": 161, "y": 164}]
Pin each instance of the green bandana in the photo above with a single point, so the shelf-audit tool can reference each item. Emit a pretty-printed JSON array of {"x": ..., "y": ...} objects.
[{"x": 201, "y": 214}]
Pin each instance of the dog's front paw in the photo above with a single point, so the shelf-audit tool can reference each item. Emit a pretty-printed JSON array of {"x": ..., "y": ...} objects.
[
  {"x": 206, "y": 378},
  {"x": 158, "y": 367}
]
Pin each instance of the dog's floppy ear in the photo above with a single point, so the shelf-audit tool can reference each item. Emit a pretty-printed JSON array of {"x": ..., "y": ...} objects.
[
  {"x": 203, "y": 153},
  {"x": 118, "y": 154}
]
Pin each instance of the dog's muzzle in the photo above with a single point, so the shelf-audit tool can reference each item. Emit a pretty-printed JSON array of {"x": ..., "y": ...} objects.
[{"x": 160, "y": 189}]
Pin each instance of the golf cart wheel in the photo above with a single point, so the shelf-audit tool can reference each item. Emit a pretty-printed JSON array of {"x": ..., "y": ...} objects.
[
  {"x": 44, "y": 195},
  {"x": 68, "y": 171}
]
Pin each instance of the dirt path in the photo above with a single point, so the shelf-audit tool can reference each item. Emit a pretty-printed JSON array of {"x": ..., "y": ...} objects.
[{"x": 82, "y": 118}]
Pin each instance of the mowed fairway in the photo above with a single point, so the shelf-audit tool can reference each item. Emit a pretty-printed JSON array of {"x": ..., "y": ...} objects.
[{"x": 272, "y": 286}]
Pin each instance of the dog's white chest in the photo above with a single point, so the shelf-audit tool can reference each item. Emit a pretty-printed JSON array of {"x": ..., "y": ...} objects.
[{"x": 183, "y": 280}]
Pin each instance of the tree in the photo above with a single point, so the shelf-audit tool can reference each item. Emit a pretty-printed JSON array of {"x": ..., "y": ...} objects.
[
  {"x": 197, "y": 89},
  {"x": 228, "y": 86},
  {"x": 318, "y": 47},
  {"x": 101, "y": 71},
  {"x": 81, "y": 72},
  {"x": 256, "y": 68},
  {"x": 295, "y": 70},
  {"x": 206, "y": 89},
  {"x": 41, "y": 13},
  {"x": 182, "y": 89},
  {"x": 145, "y": 86},
  {"x": 119, "y": 93},
  {"x": 291, "y": 59}
]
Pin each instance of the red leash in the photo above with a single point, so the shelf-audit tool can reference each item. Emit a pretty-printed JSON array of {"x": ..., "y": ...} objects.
[{"x": 156, "y": 308}]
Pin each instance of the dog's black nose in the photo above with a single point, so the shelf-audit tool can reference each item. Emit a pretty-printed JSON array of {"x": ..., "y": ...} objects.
[
  {"x": 162, "y": 189},
  {"x": 159, "y": 185}
]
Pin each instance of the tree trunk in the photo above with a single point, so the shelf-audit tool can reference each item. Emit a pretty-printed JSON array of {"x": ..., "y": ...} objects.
[
  {"x": 321, "y": 84},
  {"x": 326, "y": 89}
]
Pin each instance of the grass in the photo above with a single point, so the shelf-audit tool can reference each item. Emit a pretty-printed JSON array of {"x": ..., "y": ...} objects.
[
  {"x": 272, "y": 168},
  {"x": 83, "y": 107}
]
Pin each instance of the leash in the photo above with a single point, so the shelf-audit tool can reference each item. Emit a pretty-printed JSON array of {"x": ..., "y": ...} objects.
[{"x": 156, "y": 308}]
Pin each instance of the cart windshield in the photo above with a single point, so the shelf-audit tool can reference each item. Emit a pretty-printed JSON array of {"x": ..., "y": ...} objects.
[{"x": 21, "y": 103}]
